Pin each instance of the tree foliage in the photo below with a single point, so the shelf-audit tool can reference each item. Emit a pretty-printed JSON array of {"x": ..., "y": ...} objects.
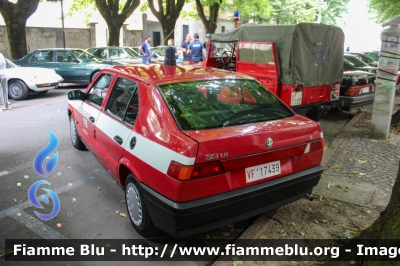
[
  {"x": 114, "y": 12},
  {"x": 385, "y": 9},
  {"x": 213, "y": 7},
  {"x": 256, "y": 11},
  {"x": 167, "y": 14},
  {"x": 15, "y": 15}
]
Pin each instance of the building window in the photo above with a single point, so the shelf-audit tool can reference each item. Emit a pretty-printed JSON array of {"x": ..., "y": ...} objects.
[
  {"x": 185, "y": 31},
  {"x": 223, "y": 29}
]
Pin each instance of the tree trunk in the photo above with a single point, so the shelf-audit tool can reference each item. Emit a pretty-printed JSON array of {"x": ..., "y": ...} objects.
[
  {"x": 15, "y": 16},
  {"x": 113, "y": 34},
  {"x": 115, "y": 16},
  {"x": 395, "y": 119},
  {"x": 167, "y": 14},
  {"x": 210, "y": 24}
]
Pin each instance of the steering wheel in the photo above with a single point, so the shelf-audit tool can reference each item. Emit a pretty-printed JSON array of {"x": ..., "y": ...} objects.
[{"x": 227, "y": 62}]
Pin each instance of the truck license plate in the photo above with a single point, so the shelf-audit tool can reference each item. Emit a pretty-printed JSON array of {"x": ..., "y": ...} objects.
[
  {"x": 296, "y": 98},
  {"x": 262, "y": 171}
]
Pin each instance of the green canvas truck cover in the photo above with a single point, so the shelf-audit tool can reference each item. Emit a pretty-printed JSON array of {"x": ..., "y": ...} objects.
[{"x": 309, "y": 53}]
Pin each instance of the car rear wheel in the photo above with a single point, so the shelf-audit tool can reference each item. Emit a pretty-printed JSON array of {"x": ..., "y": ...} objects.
[
  {"x": 76, "y": 140},
  {"x": 17, "y": 90},
  {"x": 42, "y": 92},
  {"x": 137, "y": 209}
]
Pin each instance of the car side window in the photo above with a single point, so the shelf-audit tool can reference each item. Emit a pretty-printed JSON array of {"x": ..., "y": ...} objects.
[
  {"x": 123, "y": 102},
  {"x": 42, "y": 56},
  {"x": 99, "y": 90},
  {"x": 99, "y": 53}
]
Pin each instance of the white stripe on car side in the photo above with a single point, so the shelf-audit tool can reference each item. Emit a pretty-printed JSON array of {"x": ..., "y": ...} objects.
[{"x": 150, "y": 152}]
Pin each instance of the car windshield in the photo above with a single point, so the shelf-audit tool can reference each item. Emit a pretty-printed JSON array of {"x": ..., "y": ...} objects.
[
  {"x": 354, "y": 61},
  {"x": 10, "y": 64},
  {"x": 209, "y": 104},
  {"x": 366, "y": 59},
  {"x": 84, "y": 56},
  {"x": 131, "y": 52},
  {"x": 159, "y": 52}
]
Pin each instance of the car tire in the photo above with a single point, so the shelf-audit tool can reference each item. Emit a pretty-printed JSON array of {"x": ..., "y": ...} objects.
[
  {"x": 42, "y": 92},
  {"x": 75, "y": 139},
  {"x": 17, "y": 90},
  {"x": 137, "y": 209}
]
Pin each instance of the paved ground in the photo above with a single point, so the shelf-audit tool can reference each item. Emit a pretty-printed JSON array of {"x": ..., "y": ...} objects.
[{"x": 364, "y": 169}]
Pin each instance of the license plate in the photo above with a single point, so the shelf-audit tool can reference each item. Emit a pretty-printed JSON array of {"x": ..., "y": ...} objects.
[
  {"x": 262, "y": 171},
  {"x": 365, "y": 90},
  {"x": 296, "y": 98}
]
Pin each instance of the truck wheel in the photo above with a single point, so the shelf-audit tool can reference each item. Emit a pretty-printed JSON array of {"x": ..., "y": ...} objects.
[
  {"x": 17, "y": 90},
  {"x": 76, "y": 140},
  {"x": 137, "y": 209},
  {"x": 315, "y": 115}
]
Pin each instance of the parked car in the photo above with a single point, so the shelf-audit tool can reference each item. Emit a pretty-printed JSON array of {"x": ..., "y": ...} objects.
[
  {"x": 158, "y": 55},
  {"x": 195, "y": 148},
  {"x": 116, "y": 54},
  {"x": 357, "y": 89},
  {"x": 352, "y": 63},
  {"x": 22, "y": 81},
  {"x": 365, "y": 58},
  {"x": 73, "y": 65}
]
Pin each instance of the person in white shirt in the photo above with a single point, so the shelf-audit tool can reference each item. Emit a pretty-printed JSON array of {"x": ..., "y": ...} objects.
[{"x": 4, "y": 86}]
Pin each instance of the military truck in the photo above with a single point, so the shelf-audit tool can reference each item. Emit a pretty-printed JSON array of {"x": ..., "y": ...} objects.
[{"x": 302, "y": 64}]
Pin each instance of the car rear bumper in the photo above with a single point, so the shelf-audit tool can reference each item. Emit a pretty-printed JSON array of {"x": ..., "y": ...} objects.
[
  {"x": 196, "y": 216},
  {"x": 352, "y": 102},
  {"x": 323, "y": 107}
]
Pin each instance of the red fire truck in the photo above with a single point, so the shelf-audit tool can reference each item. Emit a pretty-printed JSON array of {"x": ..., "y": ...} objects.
[{"x": 302, "y": 64}]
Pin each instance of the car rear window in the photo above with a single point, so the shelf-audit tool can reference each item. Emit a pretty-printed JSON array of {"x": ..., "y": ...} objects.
[{"x": 209, "y": 104}]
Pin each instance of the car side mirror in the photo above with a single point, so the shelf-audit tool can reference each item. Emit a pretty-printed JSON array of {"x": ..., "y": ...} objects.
[
  {"x": 75, "y": 60},
  {"x": 76, "y": 95}
]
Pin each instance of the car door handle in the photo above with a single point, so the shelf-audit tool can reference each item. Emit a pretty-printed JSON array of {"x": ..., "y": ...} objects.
[
  {"x": 91, "y": 118},
  {"x": 118, "y": 139}
]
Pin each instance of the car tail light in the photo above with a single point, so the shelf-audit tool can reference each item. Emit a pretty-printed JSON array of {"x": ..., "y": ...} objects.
[
  {"x": 187, "y": 172},
  {"x": 350, "y": 91},
  {"x": 314, "y": 146}
]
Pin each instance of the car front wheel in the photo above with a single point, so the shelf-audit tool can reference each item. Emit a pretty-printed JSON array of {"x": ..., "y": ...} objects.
[
  {"x": 137, "y": 209},
  {"x": 76, "y": 140},
  {"x": 17, "y": 90}
]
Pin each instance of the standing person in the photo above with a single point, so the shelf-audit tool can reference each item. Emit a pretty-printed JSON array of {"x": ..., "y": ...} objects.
[
  {"x": 197, "y": 49},
  {"x": 187, "y": 55},
  {"x": 4, "y": 86},
  {"x": 171, "y": 43},
  {"x": 214, "y": 47},
  {"x": 145, "y": 50}
]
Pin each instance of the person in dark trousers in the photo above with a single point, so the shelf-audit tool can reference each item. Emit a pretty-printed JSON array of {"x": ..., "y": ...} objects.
[
  {"x": 197, "y": 49},
  {"x": 145, "y": 50},
  {"x": 187, "y": 56},
  {"x": 4, "y": 87}
]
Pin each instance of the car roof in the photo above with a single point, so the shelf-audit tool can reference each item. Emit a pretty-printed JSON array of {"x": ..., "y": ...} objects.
[
  {"x": 45, "y": 49},
  {"x": 165, "y": 74}
]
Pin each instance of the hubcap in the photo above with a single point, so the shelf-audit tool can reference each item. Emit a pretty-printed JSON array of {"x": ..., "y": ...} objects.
[
  {"x": 73, "y": 131},
  {"x": 134, "y": 204},
  {"x": 16, "y": 89}
]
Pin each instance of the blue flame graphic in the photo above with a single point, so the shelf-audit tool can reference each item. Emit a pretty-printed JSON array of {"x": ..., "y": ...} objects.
[
  {"x": 32, "y": 198},
  {"x": 43, "y": 155}
]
